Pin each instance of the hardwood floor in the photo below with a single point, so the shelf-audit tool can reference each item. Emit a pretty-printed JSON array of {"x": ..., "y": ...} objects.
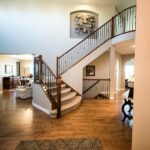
[{"x": 19, "y": 120}]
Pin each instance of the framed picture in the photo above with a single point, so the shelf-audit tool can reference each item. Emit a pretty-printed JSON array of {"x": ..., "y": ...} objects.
[
  {"x": 8, "y": 69},
  {"x": 90, "y": 70},
  {"x": 83, "y": 23}
]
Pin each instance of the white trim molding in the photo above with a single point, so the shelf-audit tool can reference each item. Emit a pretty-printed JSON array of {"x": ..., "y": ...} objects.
[
  {"x": 111, "y": 97},
  {"x": 121, "y": 89},
  {"x": 41, "y": 108},
  {"x": 1, "y": 92}
]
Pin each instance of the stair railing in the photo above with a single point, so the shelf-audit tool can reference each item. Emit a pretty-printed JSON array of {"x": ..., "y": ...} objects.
[
  {"x": 49, "y": 82},
  {"x": 96, "y": 88},
  {"x": 121, "y": 23}
]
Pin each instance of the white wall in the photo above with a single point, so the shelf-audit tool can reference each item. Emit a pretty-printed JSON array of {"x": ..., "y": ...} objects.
[
  {"x": 126, "y": 59},
  {"x": 119, "y": 69},
  {"x": 129, "y": 62},
  {"x": 42, "y": 26},
  {"x": 74, "y": 76},
  {"x": 141, "y": 119},
  {"x": 101, "y": 67},
  {"x": 40, "y": 100},
  {"x": 6, "y": 60}
]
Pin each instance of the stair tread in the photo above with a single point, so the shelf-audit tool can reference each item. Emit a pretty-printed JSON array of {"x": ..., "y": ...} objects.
[
  {"x": 66, "y": 90},
  {"x": 54, "y": 87},
  {"x": 74, "y": 102},
  {"x": 69, "y": 96}
]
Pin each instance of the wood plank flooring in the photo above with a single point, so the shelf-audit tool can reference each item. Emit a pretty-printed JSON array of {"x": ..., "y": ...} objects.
[{"x": 19, "y": 120}]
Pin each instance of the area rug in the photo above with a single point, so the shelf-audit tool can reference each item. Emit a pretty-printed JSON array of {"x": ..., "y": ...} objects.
[{"x": 61, "y": 144}]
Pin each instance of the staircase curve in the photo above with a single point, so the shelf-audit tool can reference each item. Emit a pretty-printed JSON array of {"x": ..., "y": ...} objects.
[
  {"x": 75, "y": 59},
  {"x": 70, "y": 64}
]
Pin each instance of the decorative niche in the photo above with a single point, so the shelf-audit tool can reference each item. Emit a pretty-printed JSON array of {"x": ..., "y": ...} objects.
[{"x": 82, "y": 23}]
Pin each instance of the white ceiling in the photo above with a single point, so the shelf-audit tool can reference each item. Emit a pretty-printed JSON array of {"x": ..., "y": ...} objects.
[
  {"x": 127, "y": 47},
  {"x": 22, "y": 57},
  {"x": 102, "y": 2},
  {"x": 120, "y": 4}
]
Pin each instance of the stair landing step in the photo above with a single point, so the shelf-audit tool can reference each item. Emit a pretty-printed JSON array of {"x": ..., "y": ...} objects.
[
  {"x": 67, "y": 107},
  {"x": 66, "y": 90},
  {"x": 54, "y": 87}
]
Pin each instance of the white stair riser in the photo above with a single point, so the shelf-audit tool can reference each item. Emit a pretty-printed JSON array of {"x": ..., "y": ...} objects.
[
  {"x": 54, "y": 88},
  {"x": 63, "y": 93},
  {"x": 66, "y": 110},
  {"x": 67, "y": 101}
]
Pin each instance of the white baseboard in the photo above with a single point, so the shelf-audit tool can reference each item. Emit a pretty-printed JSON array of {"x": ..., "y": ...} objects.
[
  {"x": 41, "y": 108},
  {"x": 121, "y": 89},
  {"x": 111, "y": 97}
]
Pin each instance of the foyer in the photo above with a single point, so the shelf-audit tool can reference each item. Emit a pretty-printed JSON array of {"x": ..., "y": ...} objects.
[{"x": 21, "y": 121}]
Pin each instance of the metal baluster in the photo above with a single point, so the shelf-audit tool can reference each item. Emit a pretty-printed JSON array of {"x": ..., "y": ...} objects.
[
  {"x": 104, "y": 32},
  {"x": 63, "y": 64},
  {"x": 127, "y": 21},
  {"x": 106, "y": 89},
  {"x": 132, "y": 18}
]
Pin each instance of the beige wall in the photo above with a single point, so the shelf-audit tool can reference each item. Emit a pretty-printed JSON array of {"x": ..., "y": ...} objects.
[
  {"x": 141, "y": 120},
  {"x": 123, "y": 4},
  {"x": 122, "y": 59},
  {"x": 101, "y": 67},
  {"x": 6, "y": 60},
  {"x": 26, "y": 67},
  {"x": 119, "y": 69},
  {"x": 74, "y": 76}
]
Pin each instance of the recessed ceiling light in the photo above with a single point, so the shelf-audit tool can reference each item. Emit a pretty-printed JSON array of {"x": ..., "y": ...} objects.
[{"x": 133, "y": 46}]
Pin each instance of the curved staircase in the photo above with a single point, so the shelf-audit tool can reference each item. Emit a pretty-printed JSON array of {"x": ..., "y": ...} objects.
[
  {"x": 70, "y": 100},
  {"x": 63, "y": 97}
]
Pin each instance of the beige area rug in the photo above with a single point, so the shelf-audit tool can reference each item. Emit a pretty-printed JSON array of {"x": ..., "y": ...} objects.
[{"x": 61, "y": 144}]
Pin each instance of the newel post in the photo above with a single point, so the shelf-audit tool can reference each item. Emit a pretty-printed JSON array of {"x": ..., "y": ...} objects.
[
  {"x": 40, "y": 65},
  {"x": 58, "y": 97},
  {"x": 57, "y": 67},
  {"x": 58, "y": 89}
]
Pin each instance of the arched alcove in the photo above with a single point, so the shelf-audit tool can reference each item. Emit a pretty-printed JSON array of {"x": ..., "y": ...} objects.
[{"x": 82, "y": 23}]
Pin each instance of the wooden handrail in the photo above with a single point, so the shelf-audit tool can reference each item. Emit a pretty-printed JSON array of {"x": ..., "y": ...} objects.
[
  {"x": 134, "y": 6},
  {"x": 96, "y": 30},
  {"x": 83, "y": 39},
  {"x": 112, "y": 28},
  {"x": 58, "y": 97}
]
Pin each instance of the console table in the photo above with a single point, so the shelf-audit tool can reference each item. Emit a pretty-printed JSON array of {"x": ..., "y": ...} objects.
[{"x": 10, "y": 82}]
